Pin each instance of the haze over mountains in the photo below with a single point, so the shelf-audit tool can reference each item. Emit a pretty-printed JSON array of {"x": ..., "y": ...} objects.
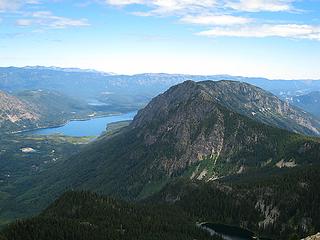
[
  {"x": 141, "y": 87},
  {"x": 126, "y": 93},
  {"x": 209, "y": 151}
]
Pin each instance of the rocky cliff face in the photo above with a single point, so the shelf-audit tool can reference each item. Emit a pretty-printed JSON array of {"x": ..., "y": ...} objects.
[
  {"x": 239, "y": 97},
  {"x": 314, "y": 237},
  {"x": 199, "y": 123},
  {"x": 277, "y": 205},
  {"x": 16, "y": 114},
  {"x": 262, "y": 106},
  {"x": 173, "y": 120}
]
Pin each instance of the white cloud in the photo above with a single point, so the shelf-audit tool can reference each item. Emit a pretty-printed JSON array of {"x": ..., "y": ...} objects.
[
  {"x": 12, "y": 5},
  {"x": 216, "y": 13},
  {"x": 24, "y": 22},
  {"x": 164, "y": 7},
  {"x": 40, "y": 18},
  {"x": 216, "y": 20},
  {"x": 9, "y": 5},
  {"x": 124, "y": 2},
  {"x": 170, "y": 6},
  {"x": 267, "y": 30},
  {"x": 203, "y": 12},
  {"x": 261, "y": 5},
  {"x": 47, "y": 19}
]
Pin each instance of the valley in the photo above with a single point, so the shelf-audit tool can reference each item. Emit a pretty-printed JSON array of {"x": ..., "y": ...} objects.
[
  {"x": 224, "y": 152},
  {"x": 25, "y": 155},
  {"x": 22, "y": 157}
]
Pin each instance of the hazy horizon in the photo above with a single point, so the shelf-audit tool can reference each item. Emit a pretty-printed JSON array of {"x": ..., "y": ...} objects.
[
  {"x": 278, "y": 39},
  {"x": 173, "y": 73}
]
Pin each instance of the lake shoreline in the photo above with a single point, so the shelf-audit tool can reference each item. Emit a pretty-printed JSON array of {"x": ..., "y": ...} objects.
[
  {"x": 68, "y": 121},
  {"x": 86, "y": 126}
]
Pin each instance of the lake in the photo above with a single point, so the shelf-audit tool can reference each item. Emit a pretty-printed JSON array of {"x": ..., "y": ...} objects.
[
  {"x": 81, "y": 128},
  {"x": 229, "y": 232}
]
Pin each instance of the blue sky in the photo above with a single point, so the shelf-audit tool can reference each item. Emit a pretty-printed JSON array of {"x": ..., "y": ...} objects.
[{"x": 274, "y": 38}]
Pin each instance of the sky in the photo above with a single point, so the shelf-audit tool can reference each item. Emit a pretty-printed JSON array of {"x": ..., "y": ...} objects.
[{"x": 277, "y": 39}]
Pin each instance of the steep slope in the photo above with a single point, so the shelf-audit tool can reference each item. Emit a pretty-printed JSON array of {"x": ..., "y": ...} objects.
[
  {"x": 281, "y": 205},
  {"x": 16, "y": 114},
  {"x": 183, "y": 133},
  {"x": 262, "y": 106}
]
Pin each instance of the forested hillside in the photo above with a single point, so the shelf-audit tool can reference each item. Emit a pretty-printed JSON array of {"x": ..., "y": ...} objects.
[
  {"x": 84, "y": 215},
  {"x": 278, "y": 205}
]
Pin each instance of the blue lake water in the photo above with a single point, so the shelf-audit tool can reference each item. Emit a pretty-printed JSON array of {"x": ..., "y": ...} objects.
[{"x": 91, "y": 127}]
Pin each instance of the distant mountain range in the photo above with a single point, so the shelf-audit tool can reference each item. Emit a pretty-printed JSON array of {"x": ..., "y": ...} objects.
[
  {"x": 127, "y": 90},
  {"x": 66, "y": 69},
  {"x": 91, "y": 83}
]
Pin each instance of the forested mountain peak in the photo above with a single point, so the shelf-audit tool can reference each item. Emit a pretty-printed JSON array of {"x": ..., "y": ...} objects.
[
  {"x": 185, "y": 132},
  {"x": 239, "y": 97}
]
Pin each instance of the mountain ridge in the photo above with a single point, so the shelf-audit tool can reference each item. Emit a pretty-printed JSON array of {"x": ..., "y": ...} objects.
[
  {"x": 252, "y": 102},
  {"x": 121, "y": 85},
  {"x": 186, "y": 136}
]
